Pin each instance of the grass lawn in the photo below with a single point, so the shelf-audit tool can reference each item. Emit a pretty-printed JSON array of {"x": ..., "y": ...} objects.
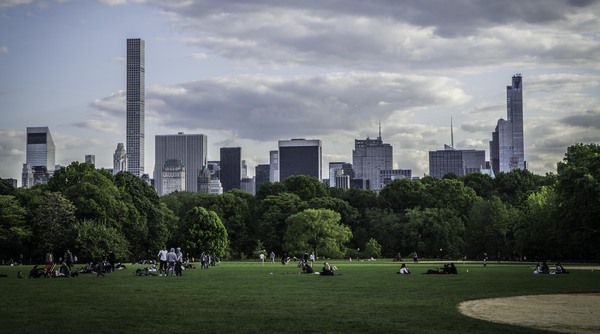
[{"x": 244, "y": 297}]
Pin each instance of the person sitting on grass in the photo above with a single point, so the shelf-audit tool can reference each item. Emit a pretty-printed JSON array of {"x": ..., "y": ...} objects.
[
  {"x": 36, "y": 272},
  {"x": 404, "y": 270},
  {"x": 307, "y": 269},
  {"x": 545, "y": 268},
  {"x": 327, "y": 269},
  {"x": 560, "y": 269}
]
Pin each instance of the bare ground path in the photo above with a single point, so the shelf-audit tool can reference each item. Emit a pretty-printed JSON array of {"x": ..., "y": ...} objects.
[{"x": 567, "y": 313}]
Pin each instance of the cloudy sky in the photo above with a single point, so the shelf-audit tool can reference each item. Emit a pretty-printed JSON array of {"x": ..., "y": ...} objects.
[{"x": 248, "y": 73}]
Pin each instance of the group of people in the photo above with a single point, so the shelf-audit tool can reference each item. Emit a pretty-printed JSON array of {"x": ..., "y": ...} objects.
[
  {"x": 544, "y": 269},
  {"x": 171, "y": 262}
]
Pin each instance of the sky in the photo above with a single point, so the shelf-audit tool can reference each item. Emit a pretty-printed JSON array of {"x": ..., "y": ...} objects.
[{"x": 249, "y": 73}]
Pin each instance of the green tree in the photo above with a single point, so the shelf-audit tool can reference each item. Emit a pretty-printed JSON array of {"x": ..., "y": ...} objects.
[
  {"x": 53, "y": 223},
  {"x": 306, "y": 187},
  {"x": 434, "y": 232},
  {"x": 372, "y": 249},
  {"x": 402, "y": 194},
  {"x": 94, "y": 240},
  {"x": 318, "y": 230},
  {"x": 385, "y": 226},
  {"x": 203, "y": 231},
  {"x": 534, "y": 231},
  {"x": 578, "y": 191},
  {"x": 272, "y": 213},
  {"x": 482, "y": 184},
  {"x": 487, "y": 228},
  {"x": 268, "y": 189},
  {"x": 13, "y": 231}
]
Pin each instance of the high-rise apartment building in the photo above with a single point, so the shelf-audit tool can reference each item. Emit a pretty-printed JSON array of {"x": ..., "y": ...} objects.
[
  {"x": 135, "y": 106},
  {"x": 190, "y": 150},
  {"x": 231, "y": 168},
  {"x": 507, "y": 150},
  {"x": 261, "y": 172},
  {"x": 340, "y": 168},
  {"x": 458, "y": 162},
  {"x": 40, "y": 156},
  {"x": 274, "y": 166},
  {"x": 300, "y": 157},
  {"x": 119, "y": 159},
  {"x": 90, "y": 159},
  {"x": 369, "y": 157}
]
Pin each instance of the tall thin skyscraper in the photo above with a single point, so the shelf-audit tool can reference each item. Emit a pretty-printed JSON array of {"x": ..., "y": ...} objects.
[
  {"x": 507, "y": 150},
  {"x": 135, "y": 105},
  {"x": 300, "y": 157},
  {"x": 231, "y": 168},
  {"x": 190, "y": 150},
  {"x": 369, "y": 157}
]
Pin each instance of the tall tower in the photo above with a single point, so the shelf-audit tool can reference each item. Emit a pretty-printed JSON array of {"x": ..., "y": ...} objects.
[
  {"x": 231, "y": 168},
  {"x": 135, "y": 106},
  {"x": 369, "y": 157},
  {"x": 514, "y": 107},
  {"x": 507, "y": 150}
]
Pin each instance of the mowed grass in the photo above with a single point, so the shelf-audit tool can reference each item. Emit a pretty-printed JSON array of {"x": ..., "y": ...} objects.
[{"x": 245, "y": 297}]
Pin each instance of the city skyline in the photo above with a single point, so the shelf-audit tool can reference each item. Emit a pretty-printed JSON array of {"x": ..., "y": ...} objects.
[{"x": 300, "y": 70}]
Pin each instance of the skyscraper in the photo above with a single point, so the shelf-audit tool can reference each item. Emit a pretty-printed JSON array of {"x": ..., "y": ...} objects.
[
  {"x": 458, "y": 162},
  {"x": 40, "y": 156},
  {"x": 190, "y": 150},
  {"x": 273, "y": 166},
  {"x": 119, "y": 159},
  {"x": 231, "y": 168},
  {"x": 369, "y": 157},
  {"x": 261, "y": 172},
  {"x": 300, "y": 157},
  {"x": 90, "y": 159},
  {"x": 135, "y": 105},
  {"x": 507, "y": 150}
]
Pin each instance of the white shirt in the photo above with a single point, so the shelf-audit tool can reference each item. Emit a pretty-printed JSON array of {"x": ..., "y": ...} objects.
[{"x": 162, "y": 255}]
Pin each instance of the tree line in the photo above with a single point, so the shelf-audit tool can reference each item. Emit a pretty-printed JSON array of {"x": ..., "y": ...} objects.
[{"x": 515, "y": 215}]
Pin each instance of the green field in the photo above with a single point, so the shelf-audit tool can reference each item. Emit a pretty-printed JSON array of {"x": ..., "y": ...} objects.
[{"x": 245, "y": 297}]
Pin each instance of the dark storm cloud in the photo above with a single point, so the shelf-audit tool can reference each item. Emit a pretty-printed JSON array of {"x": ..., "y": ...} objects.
[
  {"x": 587, "y": 119},
  {"x": 267, "y": 108},
  {"x": 391, "y": 35}
]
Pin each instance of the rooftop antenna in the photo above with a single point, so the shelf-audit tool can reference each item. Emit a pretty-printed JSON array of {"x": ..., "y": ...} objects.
[
  {"x": 451, "y": 133},
  {"x": 379, "y": 131}
]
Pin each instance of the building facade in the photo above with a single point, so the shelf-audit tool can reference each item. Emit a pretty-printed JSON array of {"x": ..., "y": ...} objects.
[
  {"x": 119, "y": 159},
  {"x": 458, "y": 162},
  {"x": 507, "y": 151},
  {"x": 300, "y": 157},
  {"x": 90, "y": 159},
  {"x": 369, "y": 157},
  {"x": 173, "y": 176},
  {"x": 191, "y": 150},
  {"x": 261, "y": 174},
  {"x": 231, "y": 168},
  {"x": 340, "y": 168},
  {"x": 135, "y": 106},
  {"x": 40, "y": 156},
  {"x": 273, "y": 166}
]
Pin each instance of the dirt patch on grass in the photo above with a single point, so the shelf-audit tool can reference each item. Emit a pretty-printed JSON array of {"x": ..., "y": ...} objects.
[{"x": 569, "y": 313}]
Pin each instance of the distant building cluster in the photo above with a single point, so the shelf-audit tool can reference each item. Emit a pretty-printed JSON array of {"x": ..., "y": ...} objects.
[{"x": 181, "y": 162}]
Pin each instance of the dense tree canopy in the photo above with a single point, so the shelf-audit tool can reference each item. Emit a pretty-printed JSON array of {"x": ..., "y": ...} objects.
[{"x": 513, "y": 215}]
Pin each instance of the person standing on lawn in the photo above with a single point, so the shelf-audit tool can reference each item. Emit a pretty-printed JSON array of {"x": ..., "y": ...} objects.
[{"x": 162, "y": 258}]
